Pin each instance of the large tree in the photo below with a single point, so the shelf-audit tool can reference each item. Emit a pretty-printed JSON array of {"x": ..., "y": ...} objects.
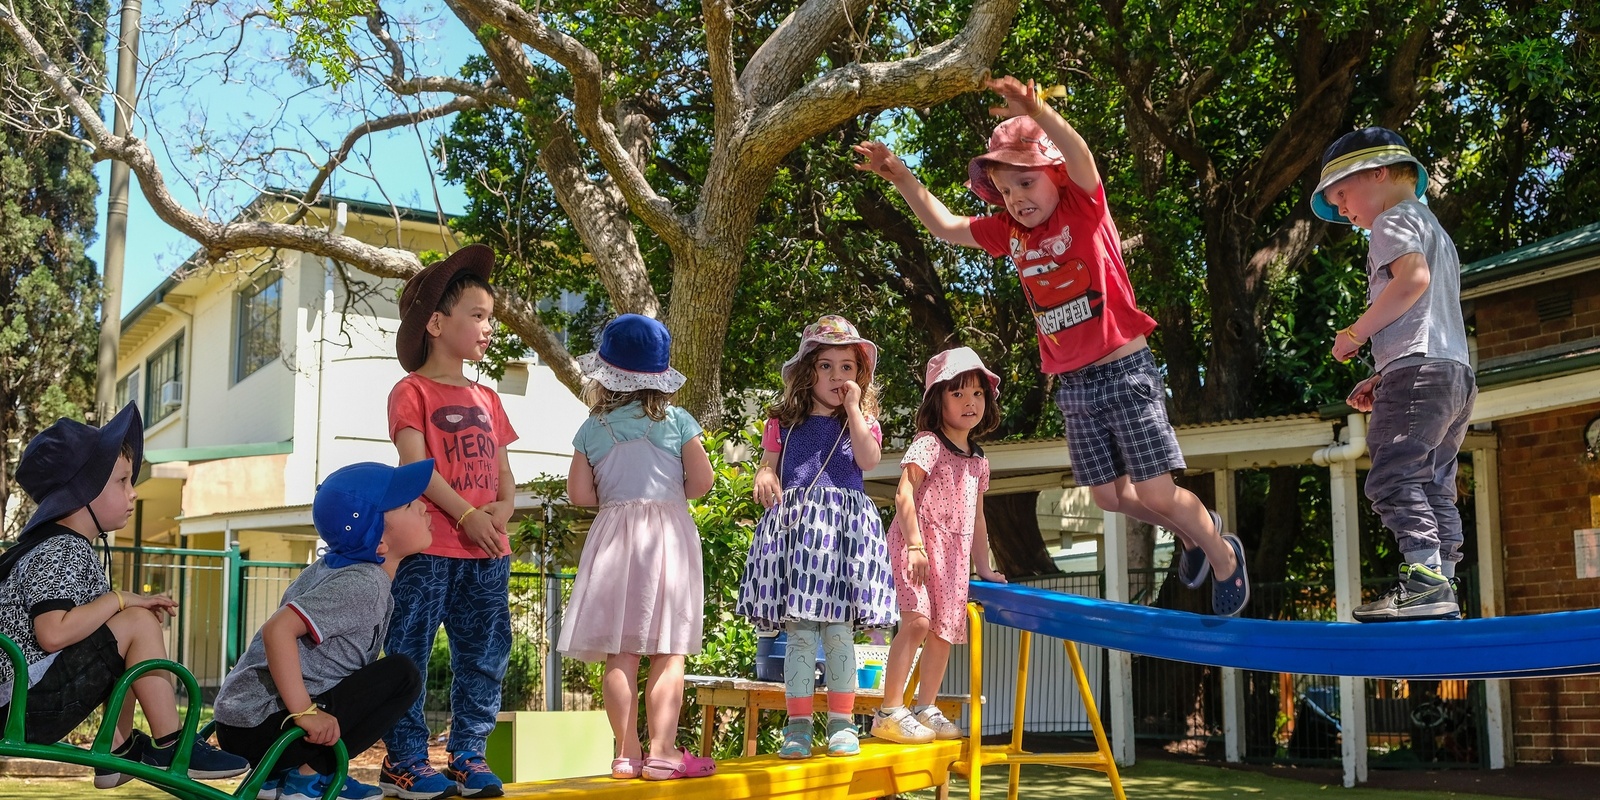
[
  {"x": 48, "y": 288},
  {"x": 591, "y": 84}
]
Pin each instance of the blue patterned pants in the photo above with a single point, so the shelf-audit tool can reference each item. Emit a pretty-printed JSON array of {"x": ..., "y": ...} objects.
[{"x": 470, "y": 597}]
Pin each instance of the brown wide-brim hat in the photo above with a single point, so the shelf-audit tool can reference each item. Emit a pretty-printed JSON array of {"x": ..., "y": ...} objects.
[{"x": 421, "y": 298}]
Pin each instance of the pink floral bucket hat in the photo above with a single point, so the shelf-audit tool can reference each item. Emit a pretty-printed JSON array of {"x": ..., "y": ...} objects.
[
  {"x": 953, "y": 362},
  {"x": 831, "y": 330}
]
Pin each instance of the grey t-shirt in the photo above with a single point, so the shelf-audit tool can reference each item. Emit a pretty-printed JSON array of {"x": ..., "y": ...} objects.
[
  {"x": 346, "y": 611},
  {"x": 1432, "y": 328}
]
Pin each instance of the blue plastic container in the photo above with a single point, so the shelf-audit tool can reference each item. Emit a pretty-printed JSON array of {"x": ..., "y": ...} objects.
[{"x": 770, "y": 653}]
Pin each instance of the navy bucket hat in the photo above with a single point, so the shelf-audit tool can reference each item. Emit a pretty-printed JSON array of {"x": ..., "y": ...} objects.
[
  {"x": 635, "y": 353},
  {"x": 349, "y": 506},
  {"x": 67, "y": 465},
  {"x": 1367, "y": 148}
]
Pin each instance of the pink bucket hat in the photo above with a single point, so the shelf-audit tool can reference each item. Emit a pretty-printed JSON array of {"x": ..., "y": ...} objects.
[
  {"x": 1017, "y": 142},
  {"x": 830, "y": 330},
  {"x": 953, "y": 362}
]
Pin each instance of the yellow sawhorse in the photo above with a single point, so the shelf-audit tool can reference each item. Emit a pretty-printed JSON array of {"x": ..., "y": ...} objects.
[{"x": 1012, "y": 753}]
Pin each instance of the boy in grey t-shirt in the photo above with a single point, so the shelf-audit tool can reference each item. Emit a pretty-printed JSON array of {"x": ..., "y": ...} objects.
[
  {"x": 316, "y": 662},
  {"x": 1422, "y": 393}
]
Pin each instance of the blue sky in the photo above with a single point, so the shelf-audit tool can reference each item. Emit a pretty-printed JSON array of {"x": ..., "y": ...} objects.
[{"x": 220, "y": 108}]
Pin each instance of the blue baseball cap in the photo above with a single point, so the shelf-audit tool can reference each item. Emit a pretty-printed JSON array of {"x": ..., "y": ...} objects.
[{"x": 349, "y": 506}]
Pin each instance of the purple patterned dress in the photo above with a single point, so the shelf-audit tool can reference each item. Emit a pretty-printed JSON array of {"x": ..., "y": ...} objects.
[{"x": 820, "y": 555}]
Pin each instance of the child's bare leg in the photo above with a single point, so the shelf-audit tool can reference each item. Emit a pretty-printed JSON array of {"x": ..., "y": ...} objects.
[
  {"x": 663, "y": 697},
  {"x": 902, "y": 651},
  {"x": 139, "y": 638},
  {"x": 620, "y": 688},
  {"x": 935, "y": 656},
  {"x": 1177, "y": 509}
]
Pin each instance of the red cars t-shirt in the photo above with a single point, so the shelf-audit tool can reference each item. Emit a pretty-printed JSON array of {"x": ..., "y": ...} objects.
[
  {"x": 1073, "y": 278},
  {"x": 465, "y": 428}
]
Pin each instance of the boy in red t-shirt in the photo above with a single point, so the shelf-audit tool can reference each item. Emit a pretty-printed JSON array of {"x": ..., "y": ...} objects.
[
  {"x": 1058, "y": 233},
  {"x": 463, "y": 579}
]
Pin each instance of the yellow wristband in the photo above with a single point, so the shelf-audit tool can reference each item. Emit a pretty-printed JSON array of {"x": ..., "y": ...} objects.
[
  {"x": 923, "y": 548},
  {"x": 121, "y": 606},
  {"x": 464, "y": 515},
  {"x": 1350, "y": 332},
  {"x": 312, "y": 709}
]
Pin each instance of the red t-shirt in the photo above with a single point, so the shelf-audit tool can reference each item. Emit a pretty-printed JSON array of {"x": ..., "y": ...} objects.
[
  {"x": 1073, "y": 277},
  {"x": 465, "y": 428}
]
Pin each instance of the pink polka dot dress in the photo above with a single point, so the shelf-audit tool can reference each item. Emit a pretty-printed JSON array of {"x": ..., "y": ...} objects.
[{"x": 947, "y": 508}]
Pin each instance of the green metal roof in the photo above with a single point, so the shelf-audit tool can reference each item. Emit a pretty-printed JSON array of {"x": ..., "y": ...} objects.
[
  {"x": 216, "y": 452},
  {"x": 1573, "y": 245}
]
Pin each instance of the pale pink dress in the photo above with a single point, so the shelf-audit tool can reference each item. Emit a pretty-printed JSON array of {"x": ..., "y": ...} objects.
[{"x": 640, "y": 585}]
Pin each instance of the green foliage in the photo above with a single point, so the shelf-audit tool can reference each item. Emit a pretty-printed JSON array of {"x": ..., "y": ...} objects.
[
  {"x": 321, "y": 33},
  {"x": 49, "y": 291}
]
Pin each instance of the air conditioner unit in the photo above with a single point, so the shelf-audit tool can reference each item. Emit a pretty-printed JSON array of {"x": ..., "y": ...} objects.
[{"x": 171, "y": 395}]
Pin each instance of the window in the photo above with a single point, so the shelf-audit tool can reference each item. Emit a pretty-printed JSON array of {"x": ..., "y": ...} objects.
[
  {"x": 163, "y": 388},
  {"x": 128, "y": 390},
  {"x": 258, "y": 333}
]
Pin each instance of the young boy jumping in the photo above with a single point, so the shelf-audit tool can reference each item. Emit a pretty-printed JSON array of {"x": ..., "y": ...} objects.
[
  {"x": 79, "y": 636},
  {"x": 1422, "y": 393},
  {"x": 1058, "y": 233}
]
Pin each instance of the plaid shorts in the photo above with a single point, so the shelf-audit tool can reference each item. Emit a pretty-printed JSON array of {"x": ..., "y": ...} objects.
[{"x": 1116, "y": 416}]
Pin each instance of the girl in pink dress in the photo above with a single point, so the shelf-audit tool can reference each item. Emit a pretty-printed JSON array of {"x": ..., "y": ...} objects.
[
  {"x": 937, "y": 536},
  {"x": 639, "y": 590}
]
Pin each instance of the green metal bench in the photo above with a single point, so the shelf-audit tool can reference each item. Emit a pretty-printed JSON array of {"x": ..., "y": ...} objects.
[{"x": 173, "y": 779}]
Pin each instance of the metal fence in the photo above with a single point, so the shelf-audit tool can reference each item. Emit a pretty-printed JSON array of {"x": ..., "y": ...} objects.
[
  {"x": 1287, "y": 719},
  {"x": 224, "y": 599}
]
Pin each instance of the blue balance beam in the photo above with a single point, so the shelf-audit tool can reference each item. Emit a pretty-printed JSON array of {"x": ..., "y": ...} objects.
[{"x": 1540, "y": 645}]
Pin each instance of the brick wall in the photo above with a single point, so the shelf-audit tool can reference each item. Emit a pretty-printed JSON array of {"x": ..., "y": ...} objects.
[
  {"x": 1544, "y": 496},
  {"x": 1508, "y": 323}
]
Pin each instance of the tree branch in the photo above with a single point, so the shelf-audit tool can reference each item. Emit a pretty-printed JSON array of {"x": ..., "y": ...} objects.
[
  {"x": 792, "y": 48},
  {"x": 944, "y": 71},
  {"x": 314, "y": 189},
  {"x": 588, "y": 101},
  {"x": 727, "y": 96},
  {"x": 600, "y": 217}
]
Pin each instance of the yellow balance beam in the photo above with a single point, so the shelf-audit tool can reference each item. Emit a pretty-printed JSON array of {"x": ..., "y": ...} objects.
[{"x": 881, "y": 770}]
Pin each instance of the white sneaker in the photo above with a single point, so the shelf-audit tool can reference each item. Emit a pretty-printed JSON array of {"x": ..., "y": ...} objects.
[
  {"x": 900, "y": 727},
  {"x": 934, "y": 720}
]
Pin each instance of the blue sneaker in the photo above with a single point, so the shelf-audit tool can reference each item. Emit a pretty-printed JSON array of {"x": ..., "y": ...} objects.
[
  {"x": 270, "y": 787},
  {"x": 356, "y": 790},
  {"x": 473, "y": 776},
  {"x": 294, "y": 786},
  {"x": 132, "y": 749},
  {"x": 415, "y": 779}
]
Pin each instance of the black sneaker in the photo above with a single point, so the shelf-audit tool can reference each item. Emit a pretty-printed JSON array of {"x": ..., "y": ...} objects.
[
  {"x": 206, "y": 762},
  {"x": 132, "y": 748},
  {"x": 1421, "y": 593}
]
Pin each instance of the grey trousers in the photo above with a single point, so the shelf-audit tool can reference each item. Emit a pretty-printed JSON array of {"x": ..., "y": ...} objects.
[{"x": 1419, "y": 419}]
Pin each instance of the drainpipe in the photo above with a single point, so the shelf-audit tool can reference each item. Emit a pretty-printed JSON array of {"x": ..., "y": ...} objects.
[
  {"x": 188, "y": 360},
  {"x": 340, "y": 217},
  {"x": 1354, "y": 446}
]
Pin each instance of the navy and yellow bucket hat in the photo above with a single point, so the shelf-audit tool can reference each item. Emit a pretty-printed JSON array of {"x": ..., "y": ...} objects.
[{"x": 1367, "y": 148}]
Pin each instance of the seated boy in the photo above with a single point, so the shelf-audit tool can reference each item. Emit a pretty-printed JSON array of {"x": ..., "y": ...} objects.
[
  {"x": 315, "y": 662},
  {"x": 55, "y": 602}
]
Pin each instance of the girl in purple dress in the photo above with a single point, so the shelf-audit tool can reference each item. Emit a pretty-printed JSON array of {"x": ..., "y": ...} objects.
[{"x": 819, "y": 562}]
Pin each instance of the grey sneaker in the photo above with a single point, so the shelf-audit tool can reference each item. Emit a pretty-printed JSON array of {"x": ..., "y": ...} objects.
[
  {"x": 1421, "y": 593},
  {"x": 936, "y": 721},
  {"x": 900, "y": 727}
]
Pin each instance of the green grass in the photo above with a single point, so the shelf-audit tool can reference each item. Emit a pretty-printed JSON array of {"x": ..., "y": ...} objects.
[
  {"x": 1171, "y": 780},
  {"x": 1147, "y": 780}
]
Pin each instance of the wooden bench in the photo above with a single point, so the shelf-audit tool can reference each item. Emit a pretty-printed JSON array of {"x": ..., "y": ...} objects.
[{"x": 713, "y": 692}]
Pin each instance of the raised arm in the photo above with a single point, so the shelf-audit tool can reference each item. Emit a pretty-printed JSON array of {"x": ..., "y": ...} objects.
[
  {"x": 1023, "y": 100},
  {"x": 938, "y": 219}
]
